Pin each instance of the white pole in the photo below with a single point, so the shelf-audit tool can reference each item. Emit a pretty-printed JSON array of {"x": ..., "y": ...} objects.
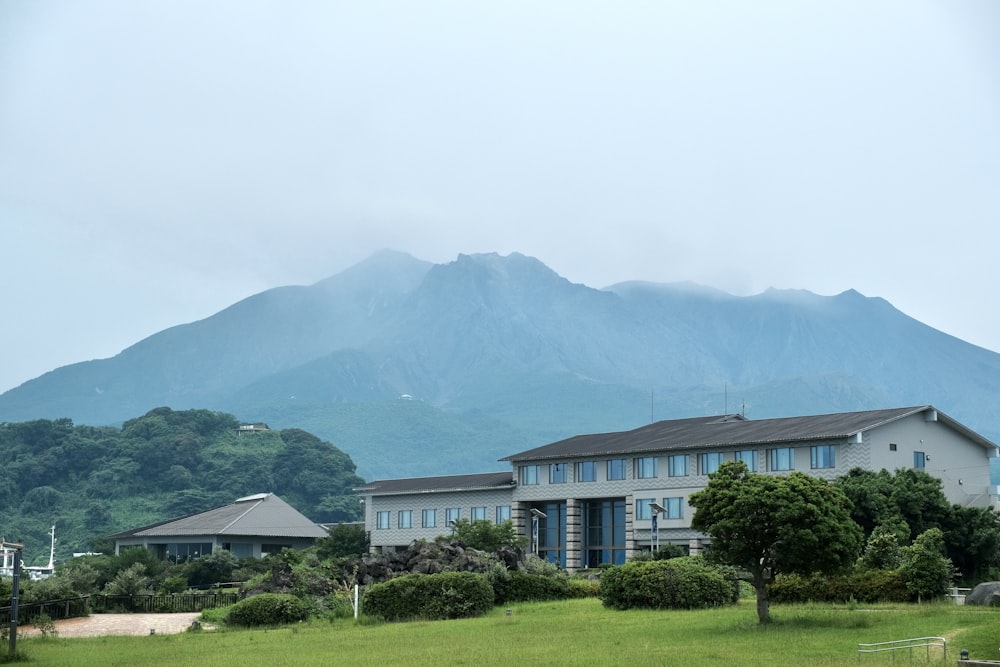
[{"x": 355, "y": 602}]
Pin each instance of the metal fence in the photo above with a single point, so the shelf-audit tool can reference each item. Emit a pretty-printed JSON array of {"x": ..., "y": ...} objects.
[
  {"x": 907, "y": 645},
  {"x": 96, "y": 604}
]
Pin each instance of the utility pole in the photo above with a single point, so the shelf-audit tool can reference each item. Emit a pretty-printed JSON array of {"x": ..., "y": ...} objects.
[{"x": 15, "y": 584}]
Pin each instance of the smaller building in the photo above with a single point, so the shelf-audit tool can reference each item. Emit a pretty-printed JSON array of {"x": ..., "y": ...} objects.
[
  {"x": 250, "y": 527},
  {"x": 397, "y": 520}
]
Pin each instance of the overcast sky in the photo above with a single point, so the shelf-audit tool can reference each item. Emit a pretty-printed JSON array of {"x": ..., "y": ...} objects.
[{"x": 161, "y": 160}]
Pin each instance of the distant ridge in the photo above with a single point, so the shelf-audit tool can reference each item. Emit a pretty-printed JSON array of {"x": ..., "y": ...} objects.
[{"x": 500, "y": 353}]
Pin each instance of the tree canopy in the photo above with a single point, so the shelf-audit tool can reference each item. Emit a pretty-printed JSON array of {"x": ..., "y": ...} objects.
[
  {"x": 909, "y": 502},
  {"x": 94, "y": 481},
  {"x": 768, "y": 524}
]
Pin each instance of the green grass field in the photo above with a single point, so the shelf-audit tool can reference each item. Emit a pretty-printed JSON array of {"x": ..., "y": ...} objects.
[{"x": 575, "y": 632}]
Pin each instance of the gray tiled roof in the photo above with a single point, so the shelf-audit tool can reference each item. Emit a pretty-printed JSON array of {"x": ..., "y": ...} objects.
[
  {"x": 263, "y": 515},
  {"x": 439, "y": 484},
  {"x": 728, "y": 431}
]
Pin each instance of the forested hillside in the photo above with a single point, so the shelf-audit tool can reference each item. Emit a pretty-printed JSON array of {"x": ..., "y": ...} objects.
[{"x": 94, "y": 481}]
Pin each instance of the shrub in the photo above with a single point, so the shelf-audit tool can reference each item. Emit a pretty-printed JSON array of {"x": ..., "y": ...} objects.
[
  {"x": 584, "y": 588},
  {"x": 678, "y": 583},
  {"x": 520, "y": 586},
  {"x": 862, "y": 586},
  {"x": 268, "y": 609},
  {"x": 430, "y": 596}
]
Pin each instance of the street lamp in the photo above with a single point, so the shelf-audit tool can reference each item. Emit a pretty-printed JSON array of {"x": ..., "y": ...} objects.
[
  {"x": 657, "y": 509},
  {"x": 536, "y": 514}
]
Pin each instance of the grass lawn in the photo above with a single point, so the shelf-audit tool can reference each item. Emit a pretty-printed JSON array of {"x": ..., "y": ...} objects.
[{"x": 574, "y": 632}]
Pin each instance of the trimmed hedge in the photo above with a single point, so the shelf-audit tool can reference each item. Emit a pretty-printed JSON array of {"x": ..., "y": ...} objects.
[
  {"x": 268, "y": 609},
  {"x": 678, "y": 583},
  {"x": 862, "y": 586},
  {"x": 519, "y": 586},
  {"x": 430, "y": 597}
]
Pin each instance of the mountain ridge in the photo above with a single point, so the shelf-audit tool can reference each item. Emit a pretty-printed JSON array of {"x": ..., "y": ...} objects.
[{"x": 505, "y": 344}]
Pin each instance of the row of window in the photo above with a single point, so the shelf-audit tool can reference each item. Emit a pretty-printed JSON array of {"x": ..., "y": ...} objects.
[
  {"x": 678, "y": 465},
  {"x": 429, "y": 517}
]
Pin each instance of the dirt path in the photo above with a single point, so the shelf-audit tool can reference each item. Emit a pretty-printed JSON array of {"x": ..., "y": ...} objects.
[{"x": 100, "y": 625}]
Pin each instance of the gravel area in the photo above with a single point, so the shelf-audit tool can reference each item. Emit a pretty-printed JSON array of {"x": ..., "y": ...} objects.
[{"x": 100, "y": 625}]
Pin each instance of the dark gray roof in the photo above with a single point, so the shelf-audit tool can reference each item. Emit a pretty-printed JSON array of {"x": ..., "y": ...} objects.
[
  {"x": 728, "y": 431},
  {"x": 486, "y": 480},
  {"x": 261, "y": 515}
]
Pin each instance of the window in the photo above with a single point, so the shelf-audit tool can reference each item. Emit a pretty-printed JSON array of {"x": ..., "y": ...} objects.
[
  {"x": 586, "y": 471},
  {"x": 603, "y": 532},
  {"x": 479, "y": 513},
  {"x": 503, "y": 513},
  {"x": 892, "y": 446},
  {"x": 749, "y": 457},
  {"x": 782, "y": 458},
  {"x": 557, "y": 473},
  {"x": 675, "y": 508},
  {"x": 677, "y": 465},
  {"x": 529, "y": 475},
  {"x": 709, "y": 462},
  {"x": 429, "y": 518},
  {"x": 616, "y": 469},
  {"x": 551, "y": 543},
  {"x": 405, "y": 518},
  {"x": 642, "y": 509},
  {"x": 919, "y": 460},
  {"x": 645, "y": 467},
  {"x": 822, "y": 456},
  {"x": 382, "y": 521},
  {"x": 451, "y": 514}
]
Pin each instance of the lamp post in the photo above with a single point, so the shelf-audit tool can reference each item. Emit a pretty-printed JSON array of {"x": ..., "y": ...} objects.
[
  {"x": 657, "y": 510},
  {"x": 536, "y": 514}
]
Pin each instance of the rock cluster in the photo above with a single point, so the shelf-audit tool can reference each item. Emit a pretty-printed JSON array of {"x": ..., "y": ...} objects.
[{"x": 429, "y": 558}]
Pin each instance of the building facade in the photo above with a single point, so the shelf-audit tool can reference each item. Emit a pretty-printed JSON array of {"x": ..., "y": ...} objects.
[{"x": 596, "y": 498}]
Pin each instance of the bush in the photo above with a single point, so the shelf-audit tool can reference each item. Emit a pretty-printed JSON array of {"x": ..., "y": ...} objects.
[
  {"x": 678, "y": 583},
  {"x": 520, "y": 586},
  {"x": 268, "y": 609},
  {"x": 584, "y": 588},
  {"x": 862, "y": 585},
  {"x": 430, "y": 596}
]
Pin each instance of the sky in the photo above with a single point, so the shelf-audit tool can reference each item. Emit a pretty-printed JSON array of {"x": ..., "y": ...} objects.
[{"x": 161, "y": 160}]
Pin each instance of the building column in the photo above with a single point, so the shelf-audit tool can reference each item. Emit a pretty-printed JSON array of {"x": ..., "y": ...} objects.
[
  {"x": 518, "y": 516},
  {"x": 695, "y": 546},
  {"x": 631, "y": 543},
  {"x": 574, "y": 528}
]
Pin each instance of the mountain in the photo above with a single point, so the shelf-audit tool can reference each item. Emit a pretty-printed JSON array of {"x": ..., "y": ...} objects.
[{"x": 414, "y": 368}]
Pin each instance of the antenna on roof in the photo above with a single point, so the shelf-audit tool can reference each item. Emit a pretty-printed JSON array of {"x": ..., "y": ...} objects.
[
  {"x": 725, "y": 411},
  {"x": 651, "y": 420}
]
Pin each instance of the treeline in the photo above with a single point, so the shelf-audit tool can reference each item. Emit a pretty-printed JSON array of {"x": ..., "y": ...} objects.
[{"x": 94, "y": 481}]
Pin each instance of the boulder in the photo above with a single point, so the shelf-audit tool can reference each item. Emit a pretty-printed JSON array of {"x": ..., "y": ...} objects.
[{"x": 986, "y": 594}]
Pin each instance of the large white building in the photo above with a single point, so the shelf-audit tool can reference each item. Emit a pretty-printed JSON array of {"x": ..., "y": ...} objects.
[{"x": 588, "y": 499}]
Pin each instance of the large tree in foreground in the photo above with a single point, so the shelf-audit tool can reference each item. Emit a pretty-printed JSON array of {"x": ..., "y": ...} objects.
[{"x": 766, "y": 524}]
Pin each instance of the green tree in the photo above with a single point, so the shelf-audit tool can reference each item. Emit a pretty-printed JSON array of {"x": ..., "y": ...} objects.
[
  {"x": 130, "y": 581},
  {"x": 343, "y": 540},
  {"x": 486, "y": 535},
  {"x": 881, "y": 550},
  {"x": 770, "y": 524},
  {"x": 928, "y": 573}
]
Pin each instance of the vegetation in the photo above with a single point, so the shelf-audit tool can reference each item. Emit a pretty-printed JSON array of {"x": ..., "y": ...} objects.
[
  {"x": 92, "y": 481},
  {"x": 572, "y": 632},
  {"x": 487, "y": 536},
  {"x": 430, "y": 597},
  {"x": 268, "y": 609},
  {"x": 907, "y": 503},
  {"x": 678, "y": 583},
  {"x": 766, "y": 524}
]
